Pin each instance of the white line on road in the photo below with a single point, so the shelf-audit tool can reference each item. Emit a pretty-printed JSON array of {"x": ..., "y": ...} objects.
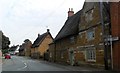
[{"x": 23, "y": 67}]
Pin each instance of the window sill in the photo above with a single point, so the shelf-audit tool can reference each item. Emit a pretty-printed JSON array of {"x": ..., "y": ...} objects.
[{"x": 91, "y": 60}]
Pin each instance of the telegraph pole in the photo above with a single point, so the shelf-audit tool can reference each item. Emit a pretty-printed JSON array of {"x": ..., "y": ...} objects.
[{"x": 103, "y": 37}]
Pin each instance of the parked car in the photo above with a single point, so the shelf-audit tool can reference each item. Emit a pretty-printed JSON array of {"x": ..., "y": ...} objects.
[
  {"x": 7, "y": 56},
  {"x": 12, "y": 53}
]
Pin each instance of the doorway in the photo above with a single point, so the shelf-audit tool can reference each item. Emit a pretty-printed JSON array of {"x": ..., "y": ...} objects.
[{"x": 71, "y": 56}]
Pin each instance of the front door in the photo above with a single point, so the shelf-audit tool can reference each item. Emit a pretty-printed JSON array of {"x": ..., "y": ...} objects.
[{"x": 71, "y": 56}]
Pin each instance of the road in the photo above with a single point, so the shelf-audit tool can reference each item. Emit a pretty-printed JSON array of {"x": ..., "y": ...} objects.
[{"x": 17, "y": 63}]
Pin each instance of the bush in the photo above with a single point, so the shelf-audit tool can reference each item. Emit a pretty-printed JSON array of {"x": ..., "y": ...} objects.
[{"x": 4, "y": 51}]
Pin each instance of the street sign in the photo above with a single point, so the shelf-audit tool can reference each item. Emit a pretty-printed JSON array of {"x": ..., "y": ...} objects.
[
  {"x": 110, "y": 38},
  {"x": 115, "y": 38}
]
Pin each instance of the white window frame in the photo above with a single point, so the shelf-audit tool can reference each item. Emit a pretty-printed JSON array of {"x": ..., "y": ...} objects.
[
  {"x": 89, "y": 15},
  {"x": 88, "y": 32},
  {"x": 81, "y": 34},
  {"x": 92, "y": 54}
]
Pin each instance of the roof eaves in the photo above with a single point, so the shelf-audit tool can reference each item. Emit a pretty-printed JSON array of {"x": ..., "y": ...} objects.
[{"x": 68, "y": 22}]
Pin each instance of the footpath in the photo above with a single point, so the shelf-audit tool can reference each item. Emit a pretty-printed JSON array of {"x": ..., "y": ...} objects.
[
  {"x": 80, "y": 69},
  {"x": 73, "y": 68}
]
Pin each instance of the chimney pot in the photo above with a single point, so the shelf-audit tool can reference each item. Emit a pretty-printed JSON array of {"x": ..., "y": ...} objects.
[
  {"x": 69, "y": 9},
  {"x": 38, "y": 34},
  {"x": 48, "y": 30},
  {"x": 70, "y": 12}
]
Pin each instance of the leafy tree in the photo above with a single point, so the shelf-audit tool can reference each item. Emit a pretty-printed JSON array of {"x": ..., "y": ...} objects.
[{"x": 5, "y": 43}]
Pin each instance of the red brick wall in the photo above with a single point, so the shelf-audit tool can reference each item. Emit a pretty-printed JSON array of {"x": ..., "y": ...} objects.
[{"x": 115, "y": 24}]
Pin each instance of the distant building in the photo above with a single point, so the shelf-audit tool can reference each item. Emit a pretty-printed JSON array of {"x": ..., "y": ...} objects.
[
  {"x": 21, "y": 50},
  {"x": 41, "y": 45},
  {"x": 17, "y": 51},
  {"x": 12, "y": 49},
  {"x": 27, "y": 49}
]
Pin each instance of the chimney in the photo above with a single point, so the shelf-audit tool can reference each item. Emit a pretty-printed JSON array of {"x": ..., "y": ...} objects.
[
  {"x": 38, "y": 34},
  {"x": 70, "y": 12},
  {"x": 48, "y": 30}
]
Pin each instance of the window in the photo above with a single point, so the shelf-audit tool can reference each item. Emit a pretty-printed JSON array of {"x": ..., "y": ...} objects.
[
  {"x": 89, "y": 15},
  {"x": 90, "y": 54},
  {"x": 90, "y": 34},
  {"x": 72, "y": 39}
]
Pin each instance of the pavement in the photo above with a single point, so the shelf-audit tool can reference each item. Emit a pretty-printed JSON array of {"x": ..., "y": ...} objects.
[
  {"x": 69, "y": 67},
  {"x": 1, "y": 61},
  {"x": 78, "y": 69},
  {"x": 72, "y": 68}
]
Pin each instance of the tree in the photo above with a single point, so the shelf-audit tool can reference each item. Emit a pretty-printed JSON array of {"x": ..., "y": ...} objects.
[
  {"x": 1, "y": 39},
  {"x": 5, "y": 43}
]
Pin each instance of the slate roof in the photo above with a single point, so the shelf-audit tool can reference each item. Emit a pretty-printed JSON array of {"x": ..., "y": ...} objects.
[
  {"x": 39, "y": 39},
  {"x": 70, "y": 27},
  {"x": 88, "y": 5},
  {"x": 22, "y": 47}
]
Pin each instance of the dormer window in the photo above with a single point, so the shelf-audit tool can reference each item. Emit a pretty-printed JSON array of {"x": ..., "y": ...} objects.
[{"x": 89, "y": 15}]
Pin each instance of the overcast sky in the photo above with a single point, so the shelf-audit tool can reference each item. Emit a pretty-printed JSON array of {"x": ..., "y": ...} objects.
[{"x": 24, "y": 19}]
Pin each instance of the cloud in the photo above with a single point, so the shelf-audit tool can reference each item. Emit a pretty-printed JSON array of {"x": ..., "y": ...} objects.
[{"x": 21, "y": 19}]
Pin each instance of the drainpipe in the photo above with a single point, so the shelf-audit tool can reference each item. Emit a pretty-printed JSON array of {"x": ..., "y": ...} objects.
[
  {"x": 103, "y": 37},
  {"x": 55, "y": 51},
  {"x": 111, "y": 51}
]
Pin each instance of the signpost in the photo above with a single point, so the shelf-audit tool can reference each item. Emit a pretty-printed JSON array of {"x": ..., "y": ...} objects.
[{"x": 111, "y": 40}]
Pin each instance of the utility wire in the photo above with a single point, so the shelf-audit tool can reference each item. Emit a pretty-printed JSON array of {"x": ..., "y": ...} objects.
[{"x": 47, "y": 17}]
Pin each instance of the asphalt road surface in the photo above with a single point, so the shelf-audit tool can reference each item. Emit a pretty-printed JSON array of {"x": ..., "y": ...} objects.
[{"x": 17, "y": 63}]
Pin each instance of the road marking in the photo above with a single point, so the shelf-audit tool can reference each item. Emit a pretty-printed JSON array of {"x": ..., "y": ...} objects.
[{"x": 23, "y": 67}]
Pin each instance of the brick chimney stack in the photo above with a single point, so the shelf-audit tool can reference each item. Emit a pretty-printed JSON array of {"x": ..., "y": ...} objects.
[
  {"x": 38, "y": 34},
  {"x": 48, "y": 30},
  {"x": 70, "y": 12}
]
